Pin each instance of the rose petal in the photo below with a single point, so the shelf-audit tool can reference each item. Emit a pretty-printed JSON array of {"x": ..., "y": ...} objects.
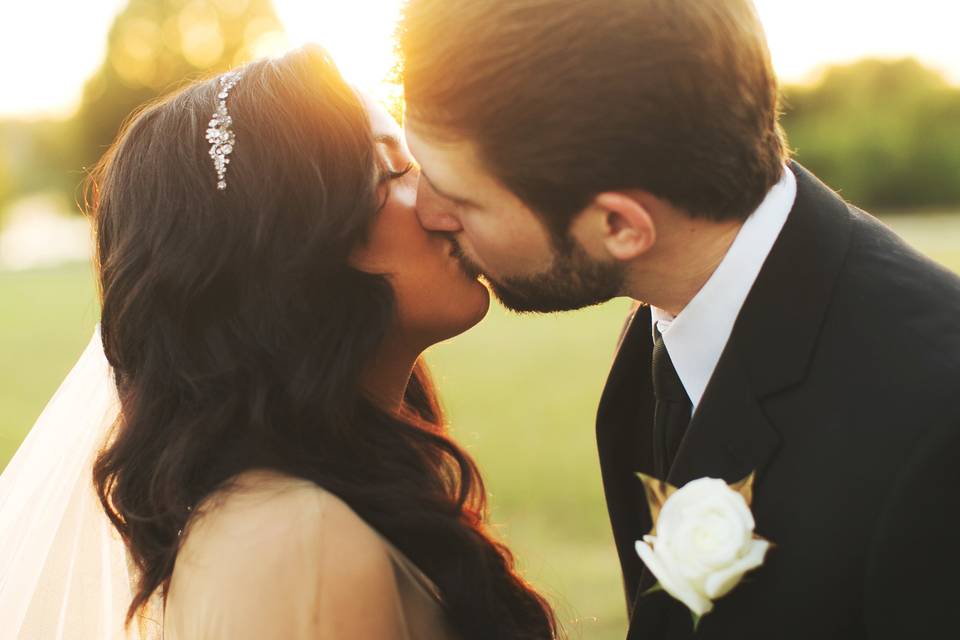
[
  {"x": 710, "y": 538},
  {"x": 673, "y": 585},
  {"x": 720, "y": 583},
  {"x": 702, "y": 494},
  {"x": 681, "y": 553},
  {"x": 704, "y": 531},
  {"x": 739, "y": 506}
]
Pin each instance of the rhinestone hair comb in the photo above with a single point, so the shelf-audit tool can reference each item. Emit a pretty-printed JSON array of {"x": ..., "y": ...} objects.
[{"x": 219, "y": 133}]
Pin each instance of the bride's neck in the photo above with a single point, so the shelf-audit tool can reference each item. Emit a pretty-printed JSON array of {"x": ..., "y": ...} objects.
[{"x": 387, "y": 375}]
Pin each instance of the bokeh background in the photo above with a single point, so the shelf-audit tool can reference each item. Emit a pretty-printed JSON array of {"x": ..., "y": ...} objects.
[{"x": 872, "y": 105}]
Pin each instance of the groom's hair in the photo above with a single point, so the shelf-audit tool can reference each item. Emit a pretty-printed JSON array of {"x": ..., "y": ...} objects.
[{"x": 565, "y": 99}]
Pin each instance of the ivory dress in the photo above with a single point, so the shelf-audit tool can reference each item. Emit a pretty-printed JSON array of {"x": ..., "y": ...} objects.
[{"x": 279, "y": 557}]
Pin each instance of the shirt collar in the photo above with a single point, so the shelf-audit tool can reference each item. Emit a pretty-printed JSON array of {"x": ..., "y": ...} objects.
[{"x": 696, "y": 338}]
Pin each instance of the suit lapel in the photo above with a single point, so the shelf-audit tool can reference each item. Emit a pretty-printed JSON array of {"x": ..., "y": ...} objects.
[
  {"x": 771, "y": 343},
  {"x": 624, "y": 434},
  {"x": 728, "y": 438},
  {"x": 769, "y": 350}
]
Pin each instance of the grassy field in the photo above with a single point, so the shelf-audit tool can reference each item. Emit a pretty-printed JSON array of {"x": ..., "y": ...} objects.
[
  {"x": 46, "y": 318},
  {"x": 521, "y": 393}
]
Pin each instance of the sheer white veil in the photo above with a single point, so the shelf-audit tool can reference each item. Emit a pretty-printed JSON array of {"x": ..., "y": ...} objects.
[{"x": 63, "y": 568}]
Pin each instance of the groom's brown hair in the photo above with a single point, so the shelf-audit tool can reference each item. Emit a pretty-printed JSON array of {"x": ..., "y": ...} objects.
[{"x": 565, "y": 99}]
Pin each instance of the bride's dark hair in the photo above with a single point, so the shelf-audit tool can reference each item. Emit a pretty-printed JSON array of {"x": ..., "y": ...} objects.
[{"x": 238, "y": 332}]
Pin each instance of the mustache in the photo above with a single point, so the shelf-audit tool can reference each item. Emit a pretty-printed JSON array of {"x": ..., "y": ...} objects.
[{"x": 456, "y": 251}]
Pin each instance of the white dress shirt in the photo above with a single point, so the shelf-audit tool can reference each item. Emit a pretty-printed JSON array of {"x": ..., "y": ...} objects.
[{"x": 695, "y": 339}]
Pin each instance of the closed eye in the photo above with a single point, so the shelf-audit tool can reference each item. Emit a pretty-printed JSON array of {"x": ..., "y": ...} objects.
[
  {"x": 396, "y": 175},
  {"x": 394, "y": 147}
]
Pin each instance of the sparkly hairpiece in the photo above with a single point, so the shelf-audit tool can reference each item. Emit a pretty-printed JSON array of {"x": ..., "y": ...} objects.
[{"x": 219, "y": 134}]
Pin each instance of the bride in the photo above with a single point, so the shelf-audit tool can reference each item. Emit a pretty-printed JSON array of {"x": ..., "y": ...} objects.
[{"x": 278, "y": 466}]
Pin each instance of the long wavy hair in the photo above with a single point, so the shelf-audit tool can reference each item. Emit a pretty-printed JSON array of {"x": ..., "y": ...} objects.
[{"x": 238, "y": 332}]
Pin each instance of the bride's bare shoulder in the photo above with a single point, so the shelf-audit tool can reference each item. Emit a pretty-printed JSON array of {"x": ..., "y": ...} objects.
[
  {"x": 262, "y": 507},
  {"x": 271, "y": 547}
]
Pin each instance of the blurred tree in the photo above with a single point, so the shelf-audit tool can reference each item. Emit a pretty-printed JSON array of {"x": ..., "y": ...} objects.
[
  {"x": 5, "y": 181},
  {"x": 156, "y": 45},
  {"x": 886, "y": 133},
  {"x": 35, "y": 156}
]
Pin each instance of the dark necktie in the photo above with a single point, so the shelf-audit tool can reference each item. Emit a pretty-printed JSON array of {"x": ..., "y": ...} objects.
[{"x": 672, "y": 411}]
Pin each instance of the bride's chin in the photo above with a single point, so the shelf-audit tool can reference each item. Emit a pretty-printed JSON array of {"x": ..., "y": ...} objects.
[
  {"x": 471, "y": 308},
  {"x": 483, "y": 300}
]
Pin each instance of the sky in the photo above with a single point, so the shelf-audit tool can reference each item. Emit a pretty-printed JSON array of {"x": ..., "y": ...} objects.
[{"x": 46, "y": 61}]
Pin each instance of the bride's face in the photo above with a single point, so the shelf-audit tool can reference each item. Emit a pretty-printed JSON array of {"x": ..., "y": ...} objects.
[{"x": 436, "y": 299}]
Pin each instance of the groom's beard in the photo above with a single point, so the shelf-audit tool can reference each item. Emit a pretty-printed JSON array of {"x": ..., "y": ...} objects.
[{"x": 573, "y": 281}]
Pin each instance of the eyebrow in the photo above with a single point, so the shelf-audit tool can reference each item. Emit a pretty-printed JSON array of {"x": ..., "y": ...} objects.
[
  {"x": 464, "y": 202},
  {"x": 390, "y": 140}
]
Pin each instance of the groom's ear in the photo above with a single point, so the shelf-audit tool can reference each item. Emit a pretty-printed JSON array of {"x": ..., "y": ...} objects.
[{"x": 617, "y": 224}]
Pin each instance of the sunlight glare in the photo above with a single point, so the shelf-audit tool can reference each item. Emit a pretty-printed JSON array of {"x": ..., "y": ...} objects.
[
  {"x": 44, "y": 82},
  {"x": 358, "y": 35}
]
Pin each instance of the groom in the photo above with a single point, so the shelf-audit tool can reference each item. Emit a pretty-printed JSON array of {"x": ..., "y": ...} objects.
[{"x": 574, "y": 151}]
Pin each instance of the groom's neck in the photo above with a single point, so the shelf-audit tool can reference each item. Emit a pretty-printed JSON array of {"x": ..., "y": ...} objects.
[{"x": 685, "y": 255}]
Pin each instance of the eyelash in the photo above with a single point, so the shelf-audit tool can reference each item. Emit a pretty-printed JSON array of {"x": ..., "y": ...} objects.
[{"x": 396, "y": 175}]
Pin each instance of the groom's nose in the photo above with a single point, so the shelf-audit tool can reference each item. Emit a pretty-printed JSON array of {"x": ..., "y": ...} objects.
[{"x": 435, "y": 212}]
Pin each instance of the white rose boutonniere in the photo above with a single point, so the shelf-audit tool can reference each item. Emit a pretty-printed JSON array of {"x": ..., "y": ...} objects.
[{"x": 702, "y": 541}]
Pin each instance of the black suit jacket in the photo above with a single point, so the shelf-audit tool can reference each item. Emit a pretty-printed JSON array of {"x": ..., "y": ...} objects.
[{"x": 840, "y": 387}]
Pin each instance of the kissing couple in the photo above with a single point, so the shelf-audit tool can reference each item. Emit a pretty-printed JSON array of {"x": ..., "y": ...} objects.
[{"x": 251, "y": 446}]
